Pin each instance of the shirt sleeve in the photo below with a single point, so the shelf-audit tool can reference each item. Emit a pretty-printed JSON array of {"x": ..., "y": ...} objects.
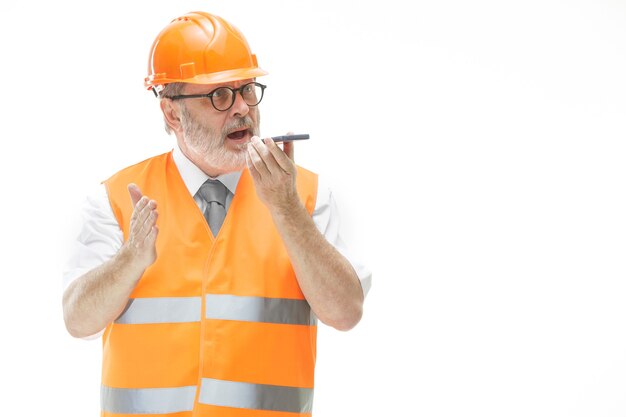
[
  {"x": 326, "y": 218},
  {"x": 99, "y": 239}
]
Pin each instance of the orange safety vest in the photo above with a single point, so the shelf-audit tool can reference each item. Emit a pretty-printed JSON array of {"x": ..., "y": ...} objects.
[{"x": 216, "y": 326}]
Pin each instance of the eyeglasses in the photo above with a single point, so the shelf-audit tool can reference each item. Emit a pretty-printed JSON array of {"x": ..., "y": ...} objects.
[{"x": 223, "y": 98}]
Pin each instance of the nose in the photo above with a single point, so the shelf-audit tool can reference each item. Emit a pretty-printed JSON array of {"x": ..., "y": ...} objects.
[{"x": 240, "y": 107}]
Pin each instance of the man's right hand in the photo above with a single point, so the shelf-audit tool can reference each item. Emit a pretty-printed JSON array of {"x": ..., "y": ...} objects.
[{"x": 141, "y": 243}]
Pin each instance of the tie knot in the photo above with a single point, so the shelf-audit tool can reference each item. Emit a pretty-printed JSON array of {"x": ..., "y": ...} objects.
[{"x": 213, "y": 191}]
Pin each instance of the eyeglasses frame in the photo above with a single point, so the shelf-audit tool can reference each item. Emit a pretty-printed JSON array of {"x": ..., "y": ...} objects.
[{"x": 233, "y": 90}]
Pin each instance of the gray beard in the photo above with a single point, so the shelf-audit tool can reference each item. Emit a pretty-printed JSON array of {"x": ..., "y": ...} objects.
[{"x": 205, "y": 142}]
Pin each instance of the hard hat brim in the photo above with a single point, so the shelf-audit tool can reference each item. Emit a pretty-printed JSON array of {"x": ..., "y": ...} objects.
[{"x": 213, "y": 78}]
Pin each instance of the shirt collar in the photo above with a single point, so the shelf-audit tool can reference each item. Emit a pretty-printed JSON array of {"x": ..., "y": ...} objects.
[{"x": 194, "y": 177}]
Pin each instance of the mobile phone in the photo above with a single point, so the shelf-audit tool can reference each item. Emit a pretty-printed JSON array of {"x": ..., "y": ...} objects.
[{"x": 287, "y": 138}]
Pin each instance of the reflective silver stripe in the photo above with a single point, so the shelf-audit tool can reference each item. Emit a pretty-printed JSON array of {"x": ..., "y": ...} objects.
[
  {"x": 256, "y": 396},
  {"x": 259, "y": 309},
  {"x": 161, "y": 310},
  {"x": 147, "y": 400}
]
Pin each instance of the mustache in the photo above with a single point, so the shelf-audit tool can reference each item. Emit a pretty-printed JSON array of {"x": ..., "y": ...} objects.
[{"x": 238, "y": 124}]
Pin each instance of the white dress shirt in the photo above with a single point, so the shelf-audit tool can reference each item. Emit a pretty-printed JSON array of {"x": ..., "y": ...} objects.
[{"x": 101, "y": 237}]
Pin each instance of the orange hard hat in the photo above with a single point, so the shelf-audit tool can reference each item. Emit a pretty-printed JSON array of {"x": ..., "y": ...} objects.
[{"x": 200, "y": 48}]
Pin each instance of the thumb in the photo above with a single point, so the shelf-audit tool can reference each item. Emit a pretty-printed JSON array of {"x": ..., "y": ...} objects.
[
  {"x": 135, "y": 193},
  {"x": 288, "y": 147}
]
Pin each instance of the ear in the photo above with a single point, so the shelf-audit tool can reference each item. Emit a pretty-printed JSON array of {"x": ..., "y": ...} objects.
[{"x": 171, "y": 113}]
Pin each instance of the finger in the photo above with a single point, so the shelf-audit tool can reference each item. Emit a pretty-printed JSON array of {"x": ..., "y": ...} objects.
[
  {"x": 141, "y": 204},
  {"x": 135, "y": 193},
  {"x": 148, "y": 214},
  {"x": 142, "y": 213},
  {"x": 150, "y": 239},
  {"x": 146, "y": 225},
  {"x": 270, "y": 162},
  {"x": 253, "y": 172},
  {"x": 279, "y": 155},
  {"x": 268, "y": 156},
  {"x": 288, "y": 148},
  {"x": 257, "y": 161}
]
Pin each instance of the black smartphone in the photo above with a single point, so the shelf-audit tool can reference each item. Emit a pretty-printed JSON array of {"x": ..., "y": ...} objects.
[{"x": 287, "y": 138}]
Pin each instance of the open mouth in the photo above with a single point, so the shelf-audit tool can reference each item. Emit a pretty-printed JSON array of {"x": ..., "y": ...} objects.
[{"x": 237, "y": 134}]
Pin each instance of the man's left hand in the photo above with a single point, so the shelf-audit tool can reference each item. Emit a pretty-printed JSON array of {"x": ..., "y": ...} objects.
[{"x": 274, "y": 173}]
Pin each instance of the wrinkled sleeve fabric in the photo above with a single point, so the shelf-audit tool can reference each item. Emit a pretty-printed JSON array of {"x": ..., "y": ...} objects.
[
  {"x": 327, "y": 219},
  {"x": 99, "y": 239}
]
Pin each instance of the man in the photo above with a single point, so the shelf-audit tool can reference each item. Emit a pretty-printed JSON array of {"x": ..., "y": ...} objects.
[{"x": 208, "y": 266}]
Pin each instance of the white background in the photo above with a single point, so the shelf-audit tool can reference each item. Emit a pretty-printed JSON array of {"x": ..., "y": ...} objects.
[{"x": 476, "y": 150}]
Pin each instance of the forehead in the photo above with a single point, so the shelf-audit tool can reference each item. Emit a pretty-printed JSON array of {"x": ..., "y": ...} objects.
[{"x": 207, "y": 88}]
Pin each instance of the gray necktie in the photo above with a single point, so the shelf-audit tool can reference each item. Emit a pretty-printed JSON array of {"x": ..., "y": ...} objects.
[{"x": 214, "y": 193}]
